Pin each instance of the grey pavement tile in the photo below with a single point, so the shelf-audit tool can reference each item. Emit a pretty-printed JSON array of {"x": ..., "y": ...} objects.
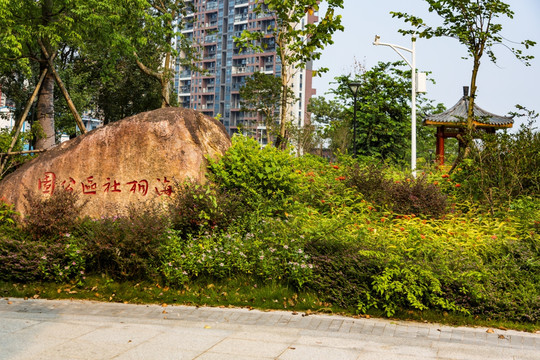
[
  {"x": 303, "y": 352},
  {"x": 120, "y": 334},
  {"x": 335, "y": 325},
  {"x": 420, "y": 350},
  {"x": 249, "y": 347},
  {"x": 75, "y": 349},
  {"x": 476, "y": 352},
  {"x": 378, "y": 329},
  {"x": 376, "y": 355},
  {"x": 357, "y": 328},
  {"x": 219, "y": 356},
  {"x": 57, "y": 329},
  {"x": 346, "y": 326},
  {"x": 12, "y": 325},
  {"x": 157, "y": 351},
  {"x": 333, "y": 342},
  {"x": 183, "y": 341},
  {"x": 286, "y": 336},
  {"x": 13, "y": 346},
  {"x": 324, "y": 325}
]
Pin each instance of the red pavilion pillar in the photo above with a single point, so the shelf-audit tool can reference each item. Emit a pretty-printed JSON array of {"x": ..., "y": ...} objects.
[{"x": 439, "y": 153}]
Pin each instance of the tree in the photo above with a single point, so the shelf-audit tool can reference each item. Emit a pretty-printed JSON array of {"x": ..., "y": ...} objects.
[
  {"x": 40, "y": 31},
  {"x": 160, "y": 27},
  {"x": 333, "y": 122},
  {"x": 383, "y": 112},
  {"x": 473, "y": 24},
  {"x": 261, "y": 94},
  {"x": 21, "y": 24},
  {"x": 296, "y": 45}
]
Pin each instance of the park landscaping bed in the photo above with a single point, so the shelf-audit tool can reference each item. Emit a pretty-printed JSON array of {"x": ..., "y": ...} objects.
[{"x": 272, "y": 230}]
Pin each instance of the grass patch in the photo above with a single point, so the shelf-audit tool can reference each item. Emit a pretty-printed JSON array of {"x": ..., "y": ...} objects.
[{"x": 240, "y": 292}]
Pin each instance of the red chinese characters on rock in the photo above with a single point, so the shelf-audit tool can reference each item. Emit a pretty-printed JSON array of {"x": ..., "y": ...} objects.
[
  {"x": 47, "y": 183},
  {"x": 140, "y": 186},
  {"x": 90, "y": 187},
  {"x": 67, "y": 185},
  {"x": 112, "y": 187},
  {"x": 165, "y": 188}
]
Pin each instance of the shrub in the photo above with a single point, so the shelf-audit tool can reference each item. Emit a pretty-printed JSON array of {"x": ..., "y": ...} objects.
[
  {"x": 263, "y": 254},
  {"x": 266, "y": 173},
  {"x": 52, "y": 216},
  {"x": 340, "y": 274},
  {"x": 501, "y": 168},
  {"x": 416, "y": 196},
  {"x": 371, "y": 182},
  {"x": 197, "y": 208},
  {"x": 27, "y": 260},
  {"x": 126, "y": 247},
  {"x": 7, "y": 214},
  {"x": 406, "y": 196}
]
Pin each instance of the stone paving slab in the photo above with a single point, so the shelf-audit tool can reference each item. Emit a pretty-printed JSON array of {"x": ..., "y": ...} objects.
[{"x": 63, "y": 329}]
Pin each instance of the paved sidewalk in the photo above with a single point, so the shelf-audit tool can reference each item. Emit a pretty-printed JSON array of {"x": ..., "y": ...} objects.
[{"x": 53, "y": 329}]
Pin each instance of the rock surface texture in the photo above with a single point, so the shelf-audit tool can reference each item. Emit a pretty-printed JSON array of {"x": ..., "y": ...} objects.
[{"x": 135, "y": 160}]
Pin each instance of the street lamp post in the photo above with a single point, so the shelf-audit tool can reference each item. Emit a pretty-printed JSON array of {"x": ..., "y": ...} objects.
[
  {"x": 354, "y": 86},
  {"x": 412, "y": 64}
]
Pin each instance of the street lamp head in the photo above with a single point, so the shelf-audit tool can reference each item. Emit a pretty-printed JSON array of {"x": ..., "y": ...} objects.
[
  {"x": 354, "y": 86},
  {"x": 376, "y": 41}
]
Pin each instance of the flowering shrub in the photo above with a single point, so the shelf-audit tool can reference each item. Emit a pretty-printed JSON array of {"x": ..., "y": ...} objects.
[
  {"x": 232, "y": 254},
  {"x": 27, "y": 260},
  {"x": 196, "y": 208},
  {"x": 69, "y": 266}
]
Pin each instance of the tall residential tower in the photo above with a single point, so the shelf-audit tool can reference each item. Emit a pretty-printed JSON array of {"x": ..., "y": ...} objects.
[{"x": 212, "y": 26}]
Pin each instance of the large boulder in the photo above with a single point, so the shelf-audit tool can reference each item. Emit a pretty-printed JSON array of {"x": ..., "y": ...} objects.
[{"x": 137, "y": 159}]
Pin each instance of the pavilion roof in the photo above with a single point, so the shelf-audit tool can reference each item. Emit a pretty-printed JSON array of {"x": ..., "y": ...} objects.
[{"x": 457, "y": 116}]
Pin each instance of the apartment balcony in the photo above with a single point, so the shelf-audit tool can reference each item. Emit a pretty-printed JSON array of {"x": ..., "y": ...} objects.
[
  {"x": 209, "y": 89},
  {"x": 240, "y": 18},
  {"x": 263, "y": 15},
  {"x": 239, "y": 69},
  {"x": 185, "y": 74},
  {"x": 210, "y": 38},
  {"x": 237, "y": 86},
  {"x": 211, "y": 24},
  {"x": 211, "y": 5},
  {"x": 209, "y": 72},
  {"x": 241, "y": 3},
  {"x": 210, "y": 56},
  {"x": 268, "y": 69}
]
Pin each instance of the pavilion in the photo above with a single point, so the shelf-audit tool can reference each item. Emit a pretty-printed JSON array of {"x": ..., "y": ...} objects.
[{"x": 453, "y": 122}]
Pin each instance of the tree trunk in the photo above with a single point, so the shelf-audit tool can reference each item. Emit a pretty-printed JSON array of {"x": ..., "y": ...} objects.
[
  {"x": 166, "y": 76},
  {"x": 466, "y": 140},
  {"x": 45, "y": 112},
  {"x": 281, "y": 141},
  {"x": 45, "y": 102}
]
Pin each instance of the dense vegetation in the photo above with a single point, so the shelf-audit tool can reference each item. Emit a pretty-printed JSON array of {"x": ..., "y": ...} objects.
[{"x": 358, "y": 233}]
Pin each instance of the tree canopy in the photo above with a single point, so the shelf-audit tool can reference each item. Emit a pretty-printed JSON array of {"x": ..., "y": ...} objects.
[
  {"x": 474, "y": 24},
  {"x": 297, "y": 42}
]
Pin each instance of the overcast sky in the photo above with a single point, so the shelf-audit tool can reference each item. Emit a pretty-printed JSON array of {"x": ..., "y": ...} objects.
[{"x": 500, "y": 87}]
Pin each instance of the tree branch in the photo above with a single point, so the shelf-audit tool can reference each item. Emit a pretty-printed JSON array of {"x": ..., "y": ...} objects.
[{"x": 147, "y": 70}]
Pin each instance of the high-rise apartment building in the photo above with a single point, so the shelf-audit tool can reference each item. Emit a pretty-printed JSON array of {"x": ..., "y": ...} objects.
[{"x": 212, "y": 26}]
